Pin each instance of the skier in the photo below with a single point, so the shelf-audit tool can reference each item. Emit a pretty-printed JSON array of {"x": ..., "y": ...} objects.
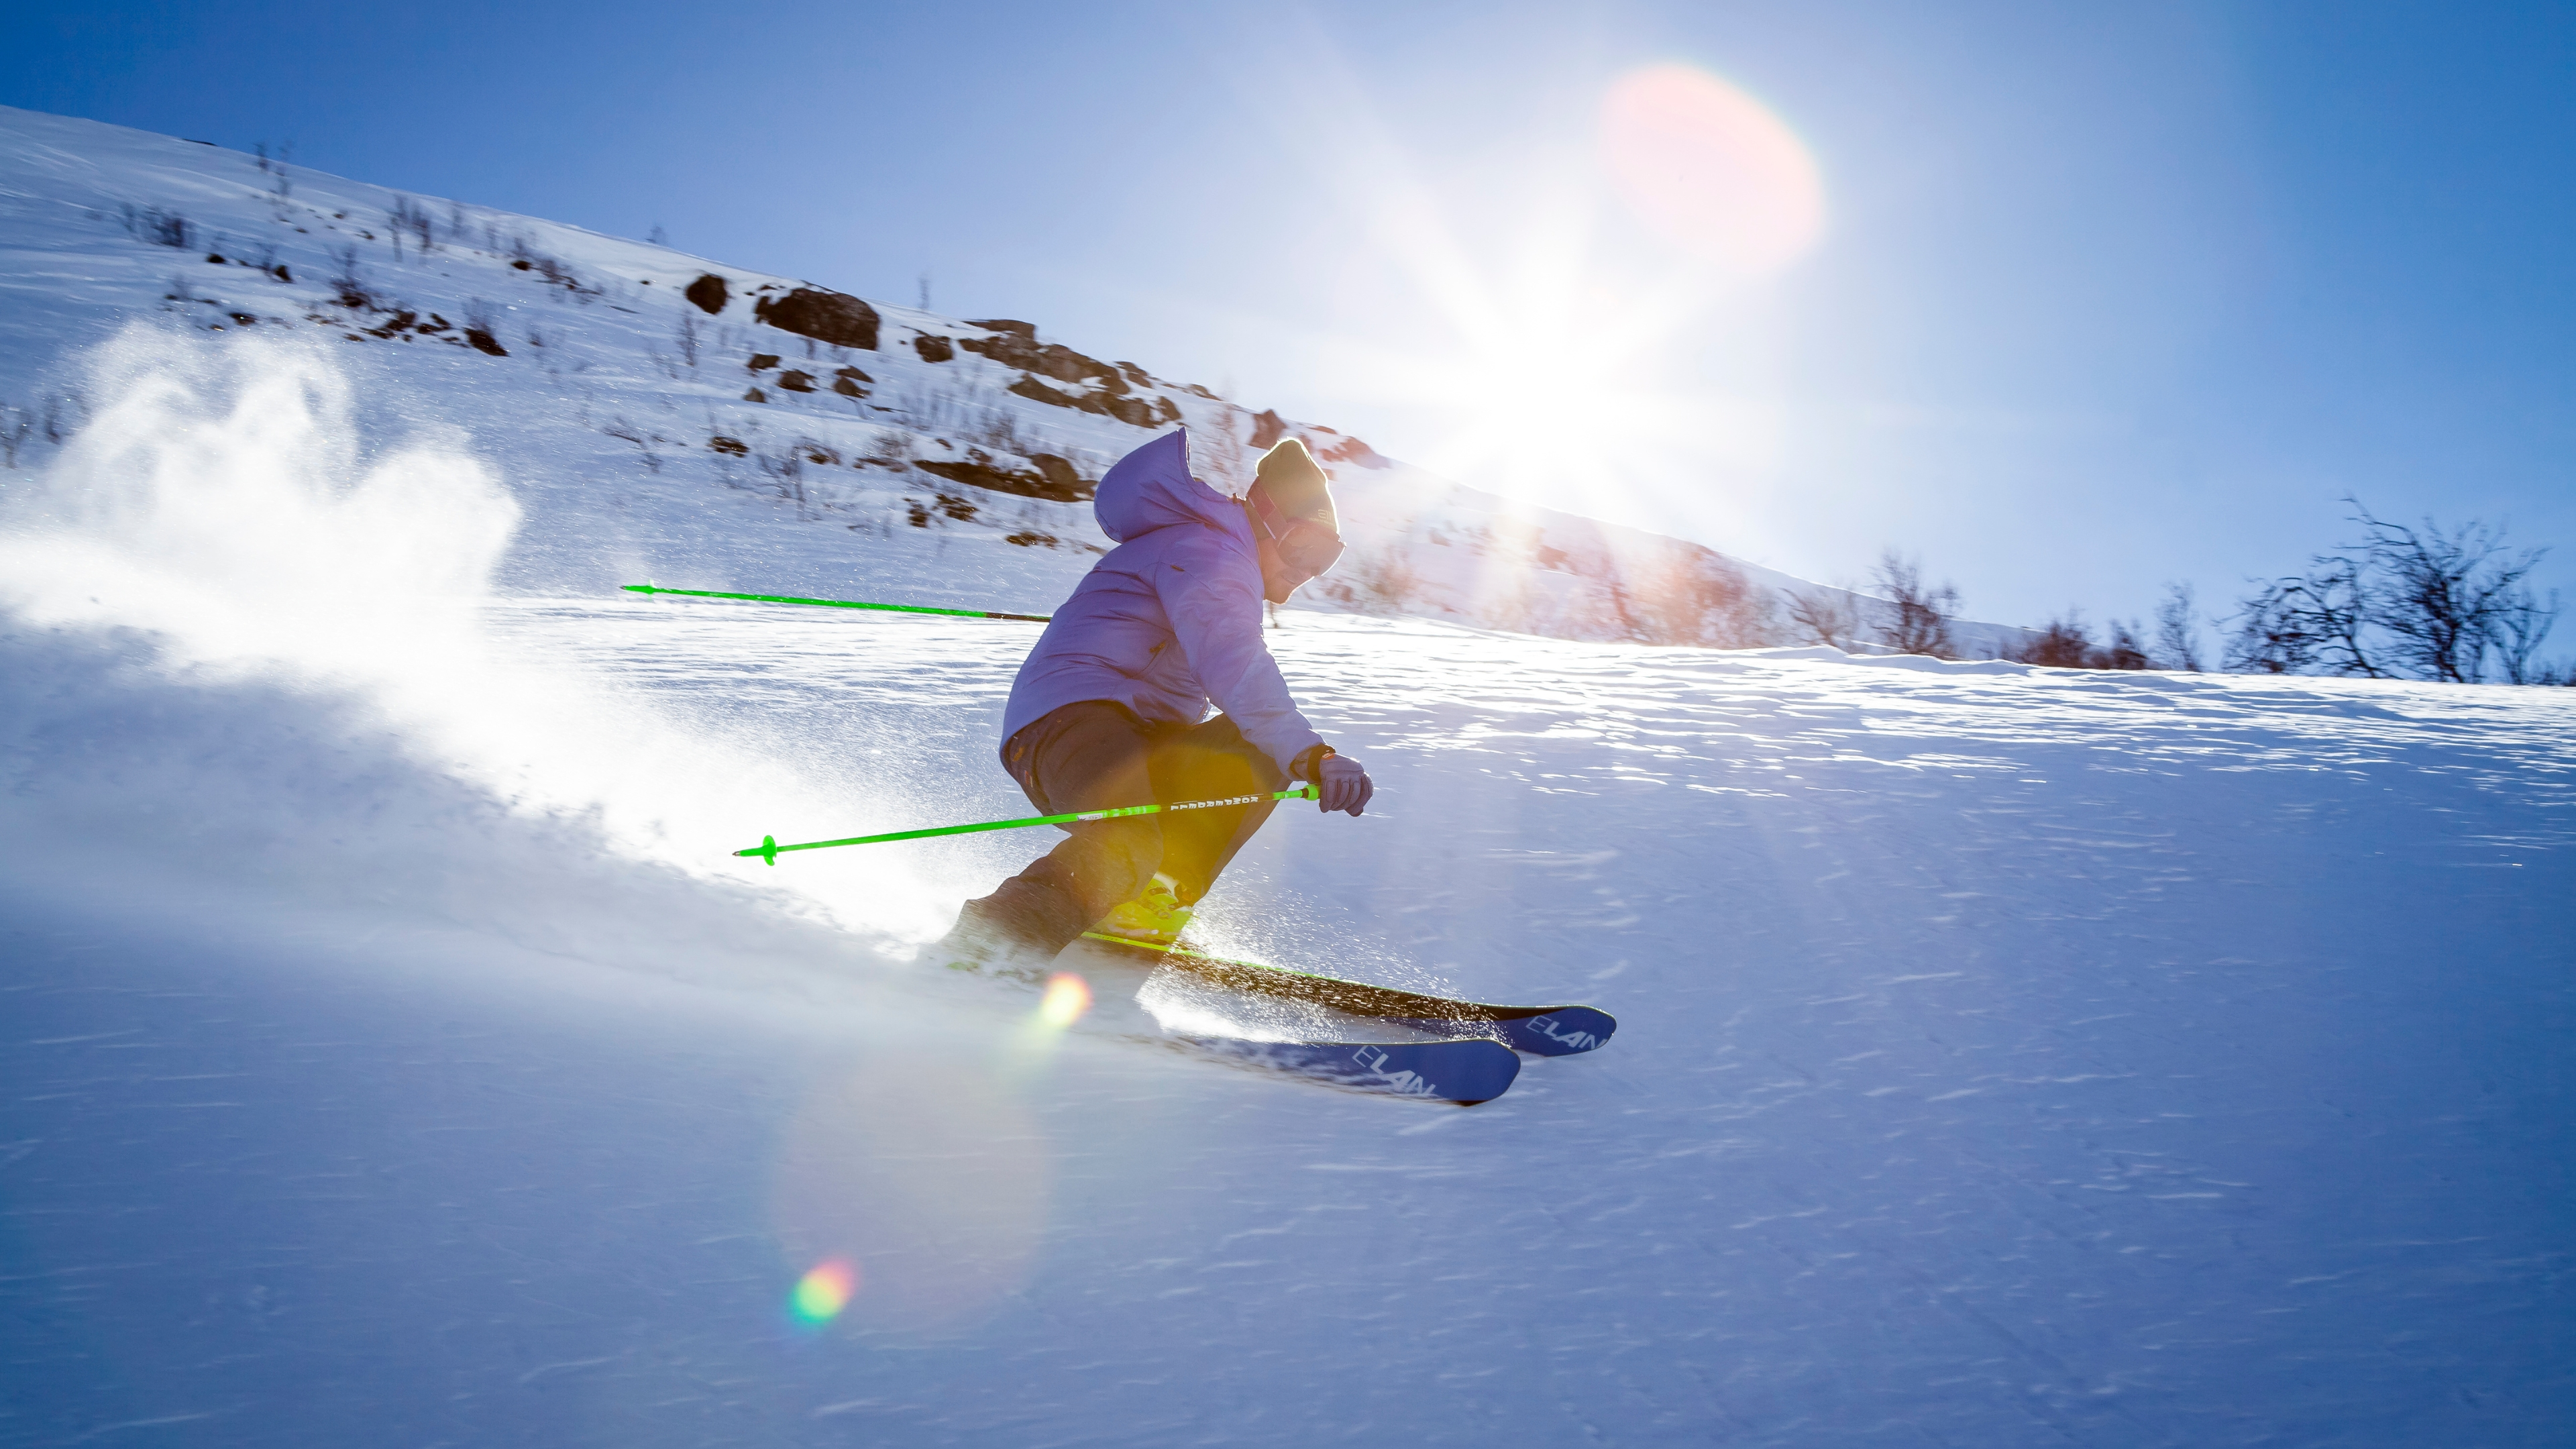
[{"x": 1108, "y": 708}]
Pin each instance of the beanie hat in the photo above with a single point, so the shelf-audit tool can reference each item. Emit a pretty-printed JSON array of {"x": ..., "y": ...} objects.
[{"x": 1295, "y": 485}]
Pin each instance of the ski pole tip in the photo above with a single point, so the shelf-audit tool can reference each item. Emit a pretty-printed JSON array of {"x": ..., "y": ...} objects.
[
  {"x": 638, "y": 588},
  {"x": 767, "y": 850}
]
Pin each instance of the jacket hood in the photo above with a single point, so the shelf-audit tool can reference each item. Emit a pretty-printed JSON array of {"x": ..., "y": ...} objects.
[{"x": 1152, "y": 488}]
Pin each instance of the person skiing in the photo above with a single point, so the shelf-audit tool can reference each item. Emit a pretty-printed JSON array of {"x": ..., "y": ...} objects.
[{"x": 1111, "y": 706}]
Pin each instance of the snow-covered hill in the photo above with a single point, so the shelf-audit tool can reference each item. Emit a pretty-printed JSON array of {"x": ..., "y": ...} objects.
[
  {"x": 397, "y": 1054},
  {"x": 652, "y": 400}
]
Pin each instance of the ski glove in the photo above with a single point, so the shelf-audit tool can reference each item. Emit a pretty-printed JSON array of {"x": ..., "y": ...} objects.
[{"x": 1344, "y": 784}]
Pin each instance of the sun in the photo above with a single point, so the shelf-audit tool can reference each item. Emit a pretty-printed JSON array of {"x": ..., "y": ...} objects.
[{"x": 1568, "y": 291}]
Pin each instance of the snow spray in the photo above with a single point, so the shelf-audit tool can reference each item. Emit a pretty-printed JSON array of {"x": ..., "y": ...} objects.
[{"x": 230, "y": 508}]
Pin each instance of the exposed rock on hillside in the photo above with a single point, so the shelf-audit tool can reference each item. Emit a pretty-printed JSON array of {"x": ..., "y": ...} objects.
[
  {"x": 1125, "y": 407},
  {"x": 708, "y": 293},
  {"x": 1054, "y": 481},
  {"x": 1046, "y": 359},
  {"x": 833, "y": 317}
]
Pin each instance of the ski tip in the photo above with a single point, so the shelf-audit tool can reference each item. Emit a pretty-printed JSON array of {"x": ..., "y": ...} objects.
[{"x": 1560, "y": 1031}]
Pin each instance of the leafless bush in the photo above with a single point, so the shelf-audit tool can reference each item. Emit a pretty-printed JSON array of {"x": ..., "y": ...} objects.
[
  {"x": 890, "y": 448},
  {"x": 1822, "y": 616},
  {"x": 997, "y": 428},
  {"x": 347, "y": 283},
  {"x": 407, "y": 218},
  {"x": 786, "y": 472},
  {"x": 2177, "y": 630},
  {"x": 1917, "y": 620},
  {"x": 2424, "y": 603},
  {"x": 2065, "y": 643},
  {"x": 161, "y": 228},
  {"x": 687, "y": 336},
  {"x": 618, "y": 427},
  {"x": 1383, "y": 577},
  {"x": 66, "y": 413},
  {"x": 15, "y": 426},
  {"x": 2124, "y": 650},
  {"x": 1691, "y": 596}
]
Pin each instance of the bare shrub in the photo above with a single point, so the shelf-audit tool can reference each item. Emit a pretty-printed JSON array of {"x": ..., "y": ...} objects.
[
  {"x": 686, "y": 336},
  {"x": 66, "y": 413},
  {"x": 408, "y": 218},
  {"x": 618, "y": 427},
  {"x": 1917, "y": 619},
  {"x": 348, "y": 284},
  {"x": 2177, "y": 630},
  {"x": 2063, "y": 643},
  {"x": 2429, "y": 603},
  {"x": 1822, "y": 616},
  {"x": 998, "y": 429},
  {"x": 161, "y": 228},
  {"x": 1384, "y": 577},
  {"x": 15, "y": 426},
  {"x": 1686, "y": 595},
  {"x": 785, "y": 471},
  {"x": 889, "y": 448},
  {"x": 2123, "y": 650}
]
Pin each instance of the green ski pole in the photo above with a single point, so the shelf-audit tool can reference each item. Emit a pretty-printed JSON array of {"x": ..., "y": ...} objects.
[
  {"x": 769, "y": 849},
  {"x": 839, "y": 604}
]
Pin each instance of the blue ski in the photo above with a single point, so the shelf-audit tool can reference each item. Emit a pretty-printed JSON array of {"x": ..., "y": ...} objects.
[
  {"x": 1465, "y": 1071},
  {"x": 1547, "y": 1031}
]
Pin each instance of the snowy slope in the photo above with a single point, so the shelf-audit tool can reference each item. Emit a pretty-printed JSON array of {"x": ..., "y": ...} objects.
[
  {"x": 707, "y": 444},
  {"x": 2008, "y": 1056}
]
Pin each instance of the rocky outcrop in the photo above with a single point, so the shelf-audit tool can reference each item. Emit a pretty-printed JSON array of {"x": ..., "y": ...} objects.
[
  {"x": 1061, "y": 474},
  {"x": 1267, "y": 429},
  {"x": 1055, "y": 480},
  {"x": 1126, "y": 408},
  {"x": 1028, "y": 330},
  {"x": 1046, "y": 359},
  {"x": 834, "y": 317},
  {"x": 934, "y": 349},
  {"x": 708, "y": 293}
]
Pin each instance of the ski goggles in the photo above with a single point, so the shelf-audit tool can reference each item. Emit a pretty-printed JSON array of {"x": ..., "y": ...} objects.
[{"x": 1304, "y": 544}]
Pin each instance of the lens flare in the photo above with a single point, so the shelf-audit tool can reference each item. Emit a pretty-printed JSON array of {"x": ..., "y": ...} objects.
[
  {"x": 1067, "y": 997},
  {"x": 823, "y": 1292},
  {"x": 1711, "y": 169}
]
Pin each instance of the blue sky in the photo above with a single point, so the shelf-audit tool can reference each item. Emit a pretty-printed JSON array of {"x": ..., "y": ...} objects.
[{"x": 2108, "y": 296}]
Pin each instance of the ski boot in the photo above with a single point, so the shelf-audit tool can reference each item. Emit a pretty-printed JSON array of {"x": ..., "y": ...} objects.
[{"x": 1154, "y": 918}]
